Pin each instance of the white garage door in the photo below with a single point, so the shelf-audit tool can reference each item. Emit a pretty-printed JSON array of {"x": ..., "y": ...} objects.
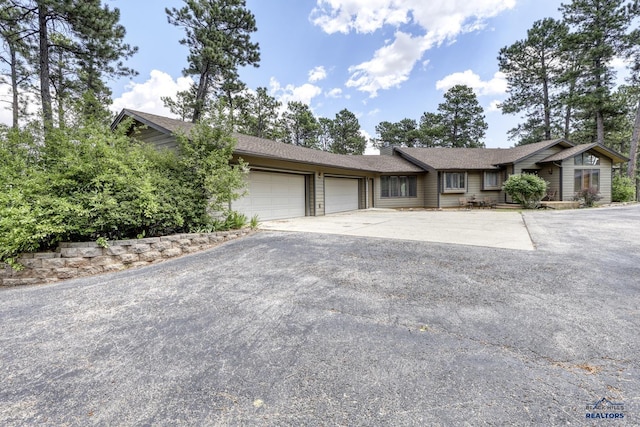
[
  {"x": 273, "y": 196},
  {"x": 340, "y": 194}
]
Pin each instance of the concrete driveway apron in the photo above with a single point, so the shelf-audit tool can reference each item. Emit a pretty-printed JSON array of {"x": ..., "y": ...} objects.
[{"x": 478, "y": 227}]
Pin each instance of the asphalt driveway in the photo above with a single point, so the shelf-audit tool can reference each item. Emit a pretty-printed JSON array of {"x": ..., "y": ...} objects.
[{"x": 286, "y": 328}]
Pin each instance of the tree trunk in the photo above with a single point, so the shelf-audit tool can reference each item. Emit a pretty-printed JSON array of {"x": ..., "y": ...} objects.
[
  {"x": 599, "y": 127},
  {"x": 45, "y": 93},
  {"x": 15, "y": 105},
  {"x": 633, "y": 147},
  {"x": 569, "y": 112},
  {"x": 547, "y": 110},
  {"x": 201, "y": 95}
]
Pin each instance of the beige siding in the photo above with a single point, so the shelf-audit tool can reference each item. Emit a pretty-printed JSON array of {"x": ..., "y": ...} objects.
[
  {"x": 474, "y": 183},
  {"x": 553, "y": 178},
  {"x": 568, "y": 169},
  {"x": 161, "y": 141},
  {"x": 474, "y": 189},
  {"x": 400, "y": 202},
  {"x": 431, "y": 190},
  {"x": 530, "y": 162}
]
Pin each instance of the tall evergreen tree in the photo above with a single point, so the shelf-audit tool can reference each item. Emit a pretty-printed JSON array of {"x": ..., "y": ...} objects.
[
  {"x": 600, "y": 30},
  {"x": 461, "y": 118},
  {"x": 345, "y": 134},
  {"x": 259, "y": 116},
  {"x": 300, "y": 126},
  {"x": 74, "y": 47},
  {"x": 101, "y": 50},
  {"x": 13, "y": 56},
  {"x": 404, "y": 133},
  {"x": 218, "y": 35},
  {"x": 431, "y": 130},
  {"x": 325, "y": 140},
  {"x": 532, "y": 67}
]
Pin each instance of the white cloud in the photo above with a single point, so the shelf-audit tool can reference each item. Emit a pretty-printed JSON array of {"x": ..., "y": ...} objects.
[
  {"x": 5, "y": 101},
  {"x": 369, "y": 149},
  {"x": 390, "y": 66},
  {"x": 28, "y": 101},
  {"x": 362, "y": 16},
  {"x": 334, "y": 93},
  {"x": 494, "y": 106},
  {"x": 289, "y": 93},
  {"x": 496, "y": 86},
  {"x": 317, "y": 74},
  {"x": 439, "y": 21},
  {"x": 146, "y": 96}
]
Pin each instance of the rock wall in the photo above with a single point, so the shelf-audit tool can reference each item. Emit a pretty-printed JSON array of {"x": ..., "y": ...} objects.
[{"x": 72, "y": 260}]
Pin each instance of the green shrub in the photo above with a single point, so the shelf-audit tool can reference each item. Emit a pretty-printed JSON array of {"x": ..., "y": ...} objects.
[
  {"x": 622, "y": 189},
  {"x": 589, "y": 196},
  {"x": 526, "y": 189},
  {"x": 89, "y": 183}
]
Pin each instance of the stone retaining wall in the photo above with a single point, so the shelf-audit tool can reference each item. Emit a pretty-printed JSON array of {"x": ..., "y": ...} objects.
[{"x": 72, "y": 260}]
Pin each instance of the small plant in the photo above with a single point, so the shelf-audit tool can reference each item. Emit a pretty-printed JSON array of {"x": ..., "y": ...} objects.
[
  {"x": 589, "y": 196},
  {"x": 235, "y": 220},
  {"x": 622, "y": 189},
  {"x": 15, "y": 265},
  {"x": 254, "y": 222},
  {"x": 102, "y": 242},
  {"x": 526, "y": 189}
]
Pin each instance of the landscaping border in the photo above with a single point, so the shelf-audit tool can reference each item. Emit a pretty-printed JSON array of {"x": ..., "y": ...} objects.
[{"x": 79, "y": 259}]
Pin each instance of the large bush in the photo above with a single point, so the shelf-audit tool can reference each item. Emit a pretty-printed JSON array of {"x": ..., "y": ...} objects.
[
  {"x": 89, "y": 182},
  {"x": 526, "y": 189},
  {"x": 622, "y": 189}
]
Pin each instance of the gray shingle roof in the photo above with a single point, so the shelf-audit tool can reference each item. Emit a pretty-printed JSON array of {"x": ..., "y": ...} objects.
[
  {"x": 260, "y": 147},
  {"x": 475, "y": 158},
  {"x": 411, "y": 160}
]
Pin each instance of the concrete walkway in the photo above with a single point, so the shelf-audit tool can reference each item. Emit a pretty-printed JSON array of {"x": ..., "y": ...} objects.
[{"x": 478, "y": 227}]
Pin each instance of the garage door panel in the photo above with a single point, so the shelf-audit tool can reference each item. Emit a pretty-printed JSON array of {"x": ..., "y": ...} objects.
[
  {"x": 340, "y": 194},
  {"x": 273, "y": 196}
]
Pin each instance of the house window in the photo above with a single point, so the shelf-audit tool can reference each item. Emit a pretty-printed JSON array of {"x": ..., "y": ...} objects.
[
  {"x": 399, "y": 186},
  {"x": 455, "y": 182},
  {"x": 491, "y": 180},
  {"x": 586, "y": 159},
  {"x": 586, "y": 178}
]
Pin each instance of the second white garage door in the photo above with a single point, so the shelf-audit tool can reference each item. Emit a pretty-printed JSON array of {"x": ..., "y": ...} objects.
[
  {"x": 340, "y": 194},
  {"x": 273, "y": 196}
]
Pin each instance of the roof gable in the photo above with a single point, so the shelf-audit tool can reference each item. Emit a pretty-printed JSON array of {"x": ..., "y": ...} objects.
[{"x": 581, "y": 148}]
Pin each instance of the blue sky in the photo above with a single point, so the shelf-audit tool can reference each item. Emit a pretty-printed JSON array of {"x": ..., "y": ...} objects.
[{"x": 384, "y": 60}]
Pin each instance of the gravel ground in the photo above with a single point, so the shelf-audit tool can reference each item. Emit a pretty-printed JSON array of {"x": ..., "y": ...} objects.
[{"x": 310, "y": 329}]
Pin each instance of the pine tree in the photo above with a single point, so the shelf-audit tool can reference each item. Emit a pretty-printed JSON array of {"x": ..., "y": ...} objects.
[
  {"x": 461, "y": 118},
  {"x": 532, "y": 67},
  {"x": 600, "y": 30},
  {"x": 218, "y": 35},
  {"x": 299, "y": 125},
  {"x": 14, "y": 57},
  {"x": 404, "y": 133},
  {"x": 345, "y": 134},
  {"x": 259, "y": 116},
  {"x": 74, "y": 46}
]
